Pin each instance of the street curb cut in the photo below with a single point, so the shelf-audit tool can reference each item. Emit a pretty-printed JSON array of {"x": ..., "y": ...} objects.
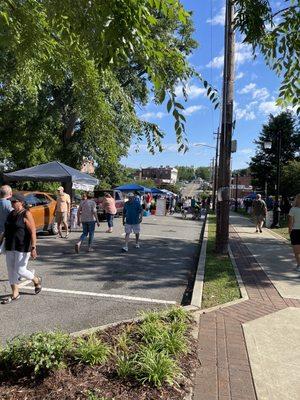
[{"x": 198, "y": 285}]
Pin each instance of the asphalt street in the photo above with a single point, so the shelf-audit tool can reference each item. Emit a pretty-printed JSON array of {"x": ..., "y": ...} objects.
[{"x": 105, "y": 286}]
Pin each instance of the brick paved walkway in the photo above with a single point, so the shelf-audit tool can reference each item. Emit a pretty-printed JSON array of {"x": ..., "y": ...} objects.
[{"x": 225, "y": 372}]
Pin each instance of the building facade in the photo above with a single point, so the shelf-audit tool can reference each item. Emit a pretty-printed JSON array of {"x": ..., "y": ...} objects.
[{"x": 160, "y": 174}]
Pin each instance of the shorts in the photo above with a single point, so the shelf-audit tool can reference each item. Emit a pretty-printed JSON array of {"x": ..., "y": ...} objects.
[
  {"x": 132, "y": 228},
  {"x": 295, "y": 237},
  {"x": 61, "y": 216},
  {"x": 259, "y": 218}
]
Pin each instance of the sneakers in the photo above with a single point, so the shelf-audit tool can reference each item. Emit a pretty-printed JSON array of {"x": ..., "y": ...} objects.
[
  {"x": 90, "y": 249},
  {"x": 137, "y": 246},
  {"x": 125, "y": 249},
  {"x": 260, "y": 230}
]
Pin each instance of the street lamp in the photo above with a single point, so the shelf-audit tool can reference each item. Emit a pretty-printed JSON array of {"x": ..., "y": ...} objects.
[
  {"x": 276, "y": 209},
  {"x": 236, "y": 192}
]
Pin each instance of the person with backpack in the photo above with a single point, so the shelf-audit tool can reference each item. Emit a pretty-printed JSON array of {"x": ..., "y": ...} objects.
[{"x": 259, "y": 212}]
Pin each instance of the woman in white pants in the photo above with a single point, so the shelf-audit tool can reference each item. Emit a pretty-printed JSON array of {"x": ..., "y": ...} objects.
[{"x": 20, "y": 244}]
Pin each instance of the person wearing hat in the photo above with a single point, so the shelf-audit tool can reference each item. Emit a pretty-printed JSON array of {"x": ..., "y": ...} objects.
[
  {"x": 20, "y": 244},
  {"x": 132, "y": 218},
  {"x": 62, "y": 211}
]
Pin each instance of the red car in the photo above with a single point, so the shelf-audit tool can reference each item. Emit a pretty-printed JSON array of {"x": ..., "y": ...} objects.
[{"x": 116, "y": 194}]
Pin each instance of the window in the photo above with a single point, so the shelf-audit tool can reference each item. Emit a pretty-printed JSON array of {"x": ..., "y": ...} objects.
[
  {"x": 41, "y": 199},
  {"x": 31, "y": 199}
]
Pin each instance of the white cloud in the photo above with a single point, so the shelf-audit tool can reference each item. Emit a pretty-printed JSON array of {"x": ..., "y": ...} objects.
[
  {"x": 216, "y": 62},
  {"x": 244, "y": 114},
  {"x": 243, "y": 53},
  {"x": 257, "y": 93},
  {"x": 268, "y": 107},
  {"x": 153, "y": 115},
  {"x": 240, "y": 75},
  {"x": 192, "y": 109},
  {"x": 218, "y": 19},
  {"x": 261, "y": 94},
  {"x": 192, "y": 91},
  {"x": 247, "y": 89}
]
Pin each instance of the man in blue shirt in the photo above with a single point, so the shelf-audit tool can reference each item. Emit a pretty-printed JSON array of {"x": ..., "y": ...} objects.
[
  {"x": 132, "y": 217},
  {"x": 5, "y": 206}
]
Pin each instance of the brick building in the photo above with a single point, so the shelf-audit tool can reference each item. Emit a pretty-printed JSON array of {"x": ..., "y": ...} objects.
[{"x": 243, "y": 185}]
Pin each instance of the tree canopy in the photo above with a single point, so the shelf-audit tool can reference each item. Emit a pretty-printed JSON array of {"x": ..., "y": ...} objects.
[
  {"x": 72, "y": 73},
  {"x": 276, "y": 35},
  {"x": 263, "y": 164}
]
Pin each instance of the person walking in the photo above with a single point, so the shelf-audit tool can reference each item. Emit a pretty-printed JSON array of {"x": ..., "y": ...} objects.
[
  {"x": 5, "y": 207},
  {"x": 109, "y": 206},
  {"x": 87, "y": 215},
  {"x": 62, "y": 211},
  {"x": 132, "y": 218},
  {"x": 20, "y": 244},
  {"x": 294, "y": 228},
  {"x": 259, "y": 212}
]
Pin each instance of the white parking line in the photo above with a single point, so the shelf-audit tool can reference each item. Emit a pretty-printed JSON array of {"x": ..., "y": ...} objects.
[{"x": 106, "y": 295}]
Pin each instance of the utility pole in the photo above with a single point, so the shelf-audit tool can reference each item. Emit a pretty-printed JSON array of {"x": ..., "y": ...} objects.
[
  {"x": 216, "y": 172},
  {"x": 224, "y": 174}
]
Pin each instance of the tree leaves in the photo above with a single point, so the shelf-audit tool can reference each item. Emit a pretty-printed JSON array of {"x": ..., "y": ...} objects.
[{"x": 277, "y": 36}]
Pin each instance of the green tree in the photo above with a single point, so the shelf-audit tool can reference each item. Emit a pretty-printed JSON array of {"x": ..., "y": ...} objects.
[
  {"x": 263, "y": 164},
  {"x": 185, "y": 173},
  {"x": 100, "y": 58},
  {"x": 276, "y": 35},
  {"x": 290, "y": 178},
  {"x": 203, "y": 173}
]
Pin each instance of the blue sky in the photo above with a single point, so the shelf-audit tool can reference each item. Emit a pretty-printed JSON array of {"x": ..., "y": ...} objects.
[{"x": 256, "y": 89}]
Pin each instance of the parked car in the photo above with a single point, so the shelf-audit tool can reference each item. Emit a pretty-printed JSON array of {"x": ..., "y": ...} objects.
[
  {"x": 42, "y": 206},
  {"x": 116, "y": 194}
]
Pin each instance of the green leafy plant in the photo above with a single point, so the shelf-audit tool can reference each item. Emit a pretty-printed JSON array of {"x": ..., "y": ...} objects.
[
  {"x": 39, "y": 352},
  {"x": 91, "y": 351},
  {"x": 125, "y": 365},
  {"x": 92, "y": 395},
  {"x": 123, "y": 342},
  {"x": 177, "y": 314},
  {"x": 156, "y": 367}
]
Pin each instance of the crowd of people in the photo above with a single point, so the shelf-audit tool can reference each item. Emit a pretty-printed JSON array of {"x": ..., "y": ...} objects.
[{"x": 18, "y": 232}]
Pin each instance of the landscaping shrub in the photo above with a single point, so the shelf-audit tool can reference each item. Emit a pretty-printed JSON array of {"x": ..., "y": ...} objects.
[
  {"x": 39, "y": 353},
  {"x": 91, "y": 351},
  {"x": 125, "y": 365},
  {"x": 155, "y": 367}
]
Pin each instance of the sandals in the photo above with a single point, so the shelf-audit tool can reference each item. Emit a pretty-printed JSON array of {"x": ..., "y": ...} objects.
[
  {"x": 38, "y": 287},
  {"x": 9, "y": 299}
]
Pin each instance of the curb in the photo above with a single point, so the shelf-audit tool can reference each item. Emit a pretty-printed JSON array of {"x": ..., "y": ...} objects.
[
  {"x": 198, "y": 285},
  {"x": 239, "y": 279}
]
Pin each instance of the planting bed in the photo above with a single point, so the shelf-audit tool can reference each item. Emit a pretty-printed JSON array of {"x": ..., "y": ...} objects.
[{"x": 148, "y": 360}]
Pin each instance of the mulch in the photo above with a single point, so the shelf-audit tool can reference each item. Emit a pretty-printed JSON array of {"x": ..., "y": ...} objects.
[{"x": 76, "y": 381}]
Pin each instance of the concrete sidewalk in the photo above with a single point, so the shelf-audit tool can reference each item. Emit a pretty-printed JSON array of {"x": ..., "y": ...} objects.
[{"x": 250, "y": 350}]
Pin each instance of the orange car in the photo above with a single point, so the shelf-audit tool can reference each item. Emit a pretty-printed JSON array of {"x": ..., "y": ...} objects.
[{"x": 42, "y": 207}]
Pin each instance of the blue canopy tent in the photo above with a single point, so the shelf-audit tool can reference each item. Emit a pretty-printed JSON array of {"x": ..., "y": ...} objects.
[
  {"x": 132, "y": 187},
  {"x": 157, "y": 191}
]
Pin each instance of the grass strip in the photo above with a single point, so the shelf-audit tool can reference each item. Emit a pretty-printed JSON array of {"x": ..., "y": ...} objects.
[
  {"x": 220, "y": 284},
  {"x": 283, "y": 230}
]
